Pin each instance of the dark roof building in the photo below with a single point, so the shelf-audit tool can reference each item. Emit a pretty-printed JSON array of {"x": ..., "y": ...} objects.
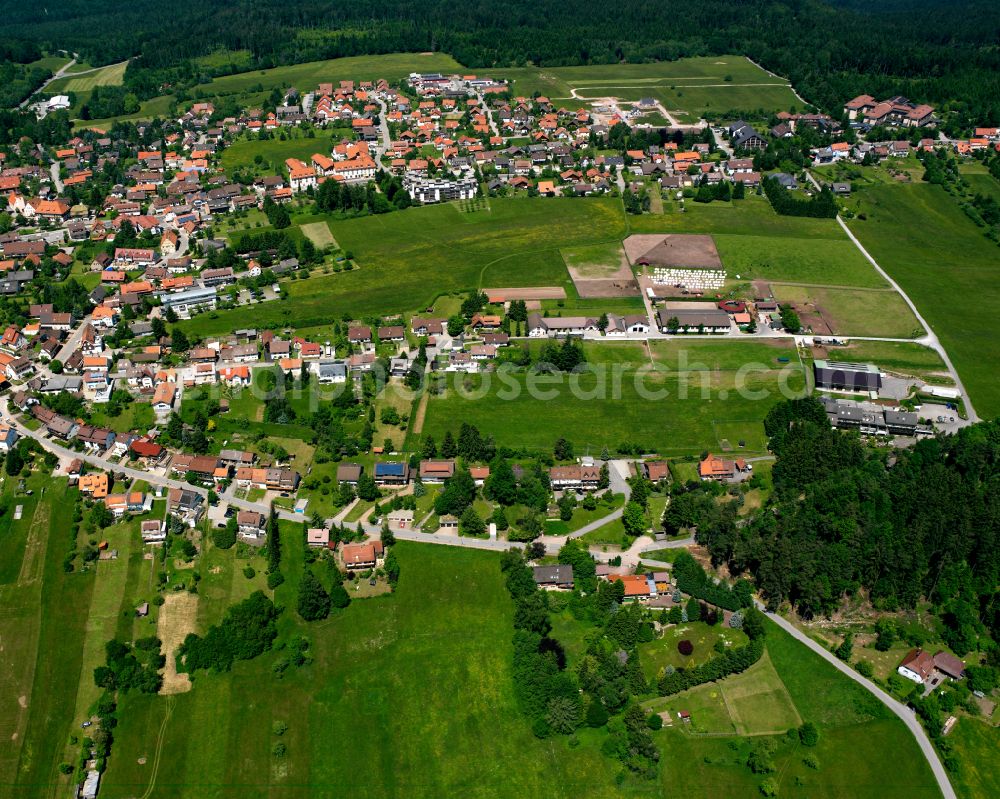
[
  {"x": 559, "y": 576},
  {"x": 842, "y": 376}
]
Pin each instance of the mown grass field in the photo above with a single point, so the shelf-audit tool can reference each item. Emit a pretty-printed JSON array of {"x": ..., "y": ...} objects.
[
  {"x": 920, "y": 236},
  {"x": 692, "y": 86},
  {"x": 111, "y": 75},
  {"x": 407, "y": 258},
  {"x": 43, "y": 624},
  {"x": 834, "y": 261},
  {"x": 687, "y": 400}
]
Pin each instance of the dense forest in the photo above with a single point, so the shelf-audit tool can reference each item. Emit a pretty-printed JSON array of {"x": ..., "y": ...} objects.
[
  {"x": 940, "y": 52},
  {"x": 921, "y": 524}
]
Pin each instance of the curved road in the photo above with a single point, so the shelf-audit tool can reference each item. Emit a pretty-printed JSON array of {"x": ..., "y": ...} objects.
[
  {"x": 931, "y": 339},
  {"x": 908, "y": 717}
]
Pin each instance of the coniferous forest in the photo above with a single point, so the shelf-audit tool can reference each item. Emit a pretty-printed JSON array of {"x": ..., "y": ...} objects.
[
  {"x": 914, "y": 525},
  {"x": 934, "y": 51}
]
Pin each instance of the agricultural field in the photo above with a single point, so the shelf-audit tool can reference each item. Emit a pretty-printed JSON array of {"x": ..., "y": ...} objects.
[
  {"x": 408, "y": 258},
  {"x": 111, "y": 75},
  {"x": 421, "y": 737},
  {"x": 702, "y": 408},
  {"x": 975, "y": 744},
  {"x": 688, "y": 88},
  {"x": 920, "y": 236},
  {"x": 43, "y": 626}
]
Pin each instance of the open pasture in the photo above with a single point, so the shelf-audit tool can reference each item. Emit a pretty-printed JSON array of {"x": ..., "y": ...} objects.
[
  {"x": 851, "y": 312},
  {"x": 678, "y": 405},
  {"x": 408, "y": 258},
  {"x": 920, "y": 236}
]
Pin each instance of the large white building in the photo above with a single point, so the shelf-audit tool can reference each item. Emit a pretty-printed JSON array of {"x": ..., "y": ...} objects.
[{"x": 438, "y": 190}]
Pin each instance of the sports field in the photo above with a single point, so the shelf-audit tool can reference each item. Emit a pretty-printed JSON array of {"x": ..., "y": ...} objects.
[
  {"x": 920, "y": 236},
  {"x": 681, "y": 400},
  {"x": 688, "y": 88}
]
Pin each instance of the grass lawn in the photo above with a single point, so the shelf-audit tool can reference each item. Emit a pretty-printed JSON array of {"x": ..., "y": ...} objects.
[
  {"x": 664, "y": 555},
  {"x": 852, "y": 312},
  {"x": 383, "y": 686},
  {"x": 920, "y": 236},
  {"x": 408, "y": 258},
  {"x": 662, "y": 652},
  {"x": 703, "y": 406},
  {"x": 242, "y": 153}
]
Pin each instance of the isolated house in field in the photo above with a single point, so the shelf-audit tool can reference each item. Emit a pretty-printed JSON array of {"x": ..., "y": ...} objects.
[
  {"x": 362, "y": 556},
  {"x": 554, "y": 578}
]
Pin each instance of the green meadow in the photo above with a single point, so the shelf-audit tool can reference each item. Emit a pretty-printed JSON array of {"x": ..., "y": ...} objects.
[
  {"x": 243, "y": 153},
  {"x": 920, "y": 236},
  {"x": 408, "y": 258},
  {"x": 681, "y": 400}
]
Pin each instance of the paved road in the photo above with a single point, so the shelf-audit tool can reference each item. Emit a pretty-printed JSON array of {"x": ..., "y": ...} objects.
[
  {"x": 56, "y": 180},
  {"x": 55, "y": 76},
  {"x": 931, "y": 339},
  {"x": 908, "y": 717}
]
